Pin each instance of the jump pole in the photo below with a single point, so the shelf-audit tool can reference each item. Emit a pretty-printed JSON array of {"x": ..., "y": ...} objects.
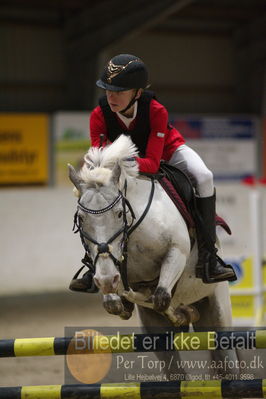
[
  {"x": 191, "y": 341},
  {"x": 213, "y": 389}
]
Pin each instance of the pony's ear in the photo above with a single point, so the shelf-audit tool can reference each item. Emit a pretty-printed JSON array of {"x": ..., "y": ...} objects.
[
  {"x": 116, "y": 172},
  {"x": 75, "y": 179}
]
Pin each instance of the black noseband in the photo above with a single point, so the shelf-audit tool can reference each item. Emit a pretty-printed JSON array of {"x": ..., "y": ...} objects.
[{"x": 103, "y": 248}]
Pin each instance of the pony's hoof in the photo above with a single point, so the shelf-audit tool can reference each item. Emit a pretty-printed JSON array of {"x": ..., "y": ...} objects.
[
  {"x": 112, "y": 304},
  {"x": 192, "y": 314},
  {"x": 125, "y": 315},
  {"x": 185, "y": 314},
  {"x": 161, "y": 299},
  {"x": 128, "y": 308}
]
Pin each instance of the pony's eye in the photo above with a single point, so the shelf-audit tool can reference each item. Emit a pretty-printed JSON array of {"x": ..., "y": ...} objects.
[{"x": 120, "y": 214}]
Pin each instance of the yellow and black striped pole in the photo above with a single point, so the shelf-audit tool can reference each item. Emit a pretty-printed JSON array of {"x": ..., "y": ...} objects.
[
  {"x": 49, "y": 346},
  {"x": 208, "y": 340},
  {"x": 215, "y": 389}
]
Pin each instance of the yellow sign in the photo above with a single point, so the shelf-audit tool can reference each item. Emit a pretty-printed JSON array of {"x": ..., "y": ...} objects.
[
  {"x": 245, "y": 279},
  {"x": 244, "y": 305},
  {"x": 24, "y": 148}
]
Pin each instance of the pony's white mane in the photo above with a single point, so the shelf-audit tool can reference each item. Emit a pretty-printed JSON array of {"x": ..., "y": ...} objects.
[{"x": 99, "y": 162}]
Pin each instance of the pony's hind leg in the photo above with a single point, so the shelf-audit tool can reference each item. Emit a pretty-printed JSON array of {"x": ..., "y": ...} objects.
[
  {"x": 215, "y": 310},
  {"x": 215, "y": 313},
  {"x": 171, "y": 270},
  {"x": 152, "y": 323}
]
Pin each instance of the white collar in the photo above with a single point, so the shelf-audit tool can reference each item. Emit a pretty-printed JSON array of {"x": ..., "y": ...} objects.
[{"x": 126, "y": 120}]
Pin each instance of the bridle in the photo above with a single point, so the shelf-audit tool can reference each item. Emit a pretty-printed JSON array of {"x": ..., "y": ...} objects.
[{"x": 104, "y": 248}]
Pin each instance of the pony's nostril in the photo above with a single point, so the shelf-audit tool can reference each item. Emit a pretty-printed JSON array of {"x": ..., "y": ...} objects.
[{"x": 107, "y": 285}]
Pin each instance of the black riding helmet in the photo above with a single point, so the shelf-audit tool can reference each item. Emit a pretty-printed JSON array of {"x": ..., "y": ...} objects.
[{"x": 124, "y": 72}]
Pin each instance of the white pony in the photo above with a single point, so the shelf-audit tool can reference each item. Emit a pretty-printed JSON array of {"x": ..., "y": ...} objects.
[{"x": 151, "y": 263}]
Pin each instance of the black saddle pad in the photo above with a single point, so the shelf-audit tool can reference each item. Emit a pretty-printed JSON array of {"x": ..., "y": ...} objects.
[{"x": 181, "y": 183}]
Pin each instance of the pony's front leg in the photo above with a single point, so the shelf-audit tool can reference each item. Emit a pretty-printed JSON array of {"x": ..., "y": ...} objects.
[
  {"x": 116, "y": 305},
  {"x": 171, "y": 270}
]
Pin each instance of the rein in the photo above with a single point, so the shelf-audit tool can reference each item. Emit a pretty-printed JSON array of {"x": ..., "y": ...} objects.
[{"x": 104, "y": 248}]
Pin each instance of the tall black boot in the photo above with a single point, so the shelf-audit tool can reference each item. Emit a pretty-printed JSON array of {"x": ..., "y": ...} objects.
[
  {"x": 86, "y": 282},
  {"x": 210, "y": 267}
]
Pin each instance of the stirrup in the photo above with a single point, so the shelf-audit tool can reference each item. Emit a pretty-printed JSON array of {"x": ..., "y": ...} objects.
[
  {"x": 203, "y": 272},
  {"x": 84, "y": 284}
]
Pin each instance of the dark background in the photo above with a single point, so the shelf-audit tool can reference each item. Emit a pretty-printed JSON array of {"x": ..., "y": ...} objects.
[{"x": 206, "y": 56}]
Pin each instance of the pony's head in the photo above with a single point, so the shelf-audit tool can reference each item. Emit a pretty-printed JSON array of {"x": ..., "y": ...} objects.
[{"x": 101, "y": 214}]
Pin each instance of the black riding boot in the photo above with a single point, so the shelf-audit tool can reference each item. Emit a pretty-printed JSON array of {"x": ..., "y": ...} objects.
[
  {"x": 84, "y": 283},
  {"x": 210, "y": 267}
]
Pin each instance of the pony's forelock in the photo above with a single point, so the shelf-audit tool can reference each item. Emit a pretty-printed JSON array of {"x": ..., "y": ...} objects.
[
  {"x": 99, "y": 176},
  {"x": 99, "y": 162}
]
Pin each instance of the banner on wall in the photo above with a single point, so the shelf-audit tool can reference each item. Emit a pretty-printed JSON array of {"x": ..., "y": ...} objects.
[
  {"x": 248, "y": 293},
  {"x": 244, "y": 292},
  {"x": 24, "y": 148},
  {"x": 226, "y": 144},
  {"x": 71, "y": 130}
]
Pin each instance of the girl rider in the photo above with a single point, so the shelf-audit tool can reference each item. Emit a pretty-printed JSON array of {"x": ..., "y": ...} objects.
[{"x": 128, "y": 109}]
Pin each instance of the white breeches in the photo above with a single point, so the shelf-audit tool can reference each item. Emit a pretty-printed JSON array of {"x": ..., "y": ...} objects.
[{"x": 190, "y": 162}]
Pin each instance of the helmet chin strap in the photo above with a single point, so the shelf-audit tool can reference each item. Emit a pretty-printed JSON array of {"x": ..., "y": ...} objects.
[{"x": 131, "y": 102}]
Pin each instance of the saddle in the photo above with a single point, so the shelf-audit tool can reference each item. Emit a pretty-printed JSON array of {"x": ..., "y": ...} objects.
[{"x": 179, "y": 188}]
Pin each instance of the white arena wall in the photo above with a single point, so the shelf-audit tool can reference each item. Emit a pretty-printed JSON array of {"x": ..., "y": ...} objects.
[{"x": 39, "y": 251}]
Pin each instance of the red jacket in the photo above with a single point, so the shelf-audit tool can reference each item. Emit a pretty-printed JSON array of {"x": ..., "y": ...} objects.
[{"x": 162, "y": 142}]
